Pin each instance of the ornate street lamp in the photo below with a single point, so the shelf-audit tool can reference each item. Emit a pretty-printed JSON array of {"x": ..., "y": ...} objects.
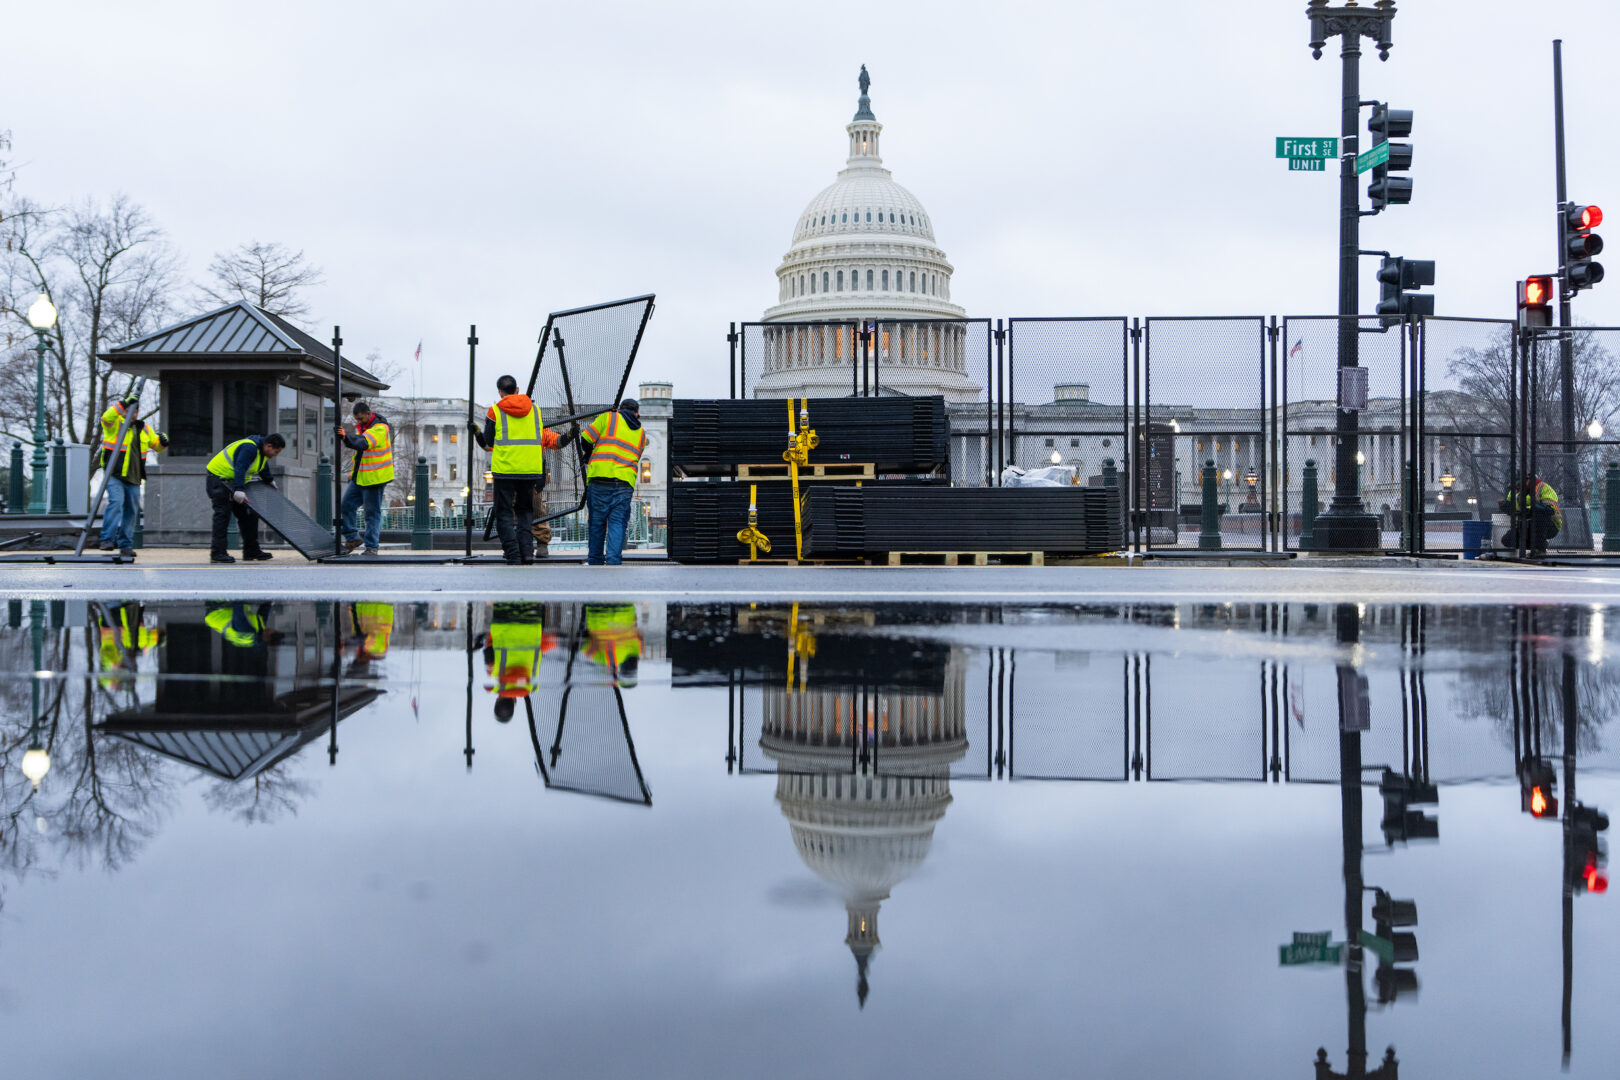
[
  {"x": 1594, "y": 430},
  {"x": 41, "y": 316}
]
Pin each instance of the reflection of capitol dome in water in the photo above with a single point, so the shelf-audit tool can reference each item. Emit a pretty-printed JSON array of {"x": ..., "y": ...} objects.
[
  {"x": 865, "y": 831},
  {"x": 864, "y": 252}
]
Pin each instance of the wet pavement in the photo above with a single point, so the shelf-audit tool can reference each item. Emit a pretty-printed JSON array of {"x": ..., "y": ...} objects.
[{"x": 681, "y": 836}]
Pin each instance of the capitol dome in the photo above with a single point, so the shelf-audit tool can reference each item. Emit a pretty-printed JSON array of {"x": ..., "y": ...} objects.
[{"x": 864, "y": 255}]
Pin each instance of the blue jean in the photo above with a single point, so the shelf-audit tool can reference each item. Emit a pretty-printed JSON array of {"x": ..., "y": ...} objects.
[
  {"x": 609, "y": 506},
  {"x": 371, "y": 495},
  {"x": 123, "y": 511}
]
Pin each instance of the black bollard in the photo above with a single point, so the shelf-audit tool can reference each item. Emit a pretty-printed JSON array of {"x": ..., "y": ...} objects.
[
  {"x": 1209, "y": 538},
  {"x": 421, "y": 536},
  {"x": 1110, "y": 474},
  {"x": 323, "y": 492},
  {"x": 1307, "y": 512},
  {"x": 16, "y": 497},
  {"x": 59, "y": 477}
]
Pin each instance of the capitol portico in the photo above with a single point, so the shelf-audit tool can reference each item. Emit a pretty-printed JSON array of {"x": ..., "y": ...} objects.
[{"x": 864, "y": 255}]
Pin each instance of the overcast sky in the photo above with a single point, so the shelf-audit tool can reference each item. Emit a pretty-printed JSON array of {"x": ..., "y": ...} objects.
[{"x": 489, "y": 162}]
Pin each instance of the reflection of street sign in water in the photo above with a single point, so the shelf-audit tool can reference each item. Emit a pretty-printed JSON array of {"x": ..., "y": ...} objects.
[{"x": 1309, "y": 952}]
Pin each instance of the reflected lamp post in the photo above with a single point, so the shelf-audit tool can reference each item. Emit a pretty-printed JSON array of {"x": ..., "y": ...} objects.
[
  {"x": 36, "y": 760},
  {"x": 41, "y": 316}
]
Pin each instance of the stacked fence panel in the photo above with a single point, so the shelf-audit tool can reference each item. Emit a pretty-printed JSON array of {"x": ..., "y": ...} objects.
[{"x": 844, "y": 521}]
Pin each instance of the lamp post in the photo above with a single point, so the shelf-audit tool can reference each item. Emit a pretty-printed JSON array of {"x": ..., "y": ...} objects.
[
  {"x": 1252, "y": 478},
  {"x": 1446, "y": 480},
  {"x": 41, "y": 316},
  {"x": 1346, "y": 525}
]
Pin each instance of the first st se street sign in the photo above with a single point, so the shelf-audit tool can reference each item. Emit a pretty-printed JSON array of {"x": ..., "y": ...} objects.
[{"x": 1307, "y": 155}]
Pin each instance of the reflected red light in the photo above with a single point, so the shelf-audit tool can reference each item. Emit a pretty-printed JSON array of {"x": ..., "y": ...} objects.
[
  {"x": 1591, "y": 217},
  {"x": 1596, "y": 880},
  {"x": 1538, "y": 802}
]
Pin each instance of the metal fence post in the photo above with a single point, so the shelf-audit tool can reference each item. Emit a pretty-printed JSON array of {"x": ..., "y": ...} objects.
[
  {"x": 16, "y": 498},
  {"x": 59, "y": 478},
  {"x": 1307, "y": 511},
  {"x": 323, "y": 493},
  {"x": 1611, "y": 507},
  {"x": 731, "y": 339},
  {"x": 1209, "y": 537},
  {"x": 421, "y": 535}
]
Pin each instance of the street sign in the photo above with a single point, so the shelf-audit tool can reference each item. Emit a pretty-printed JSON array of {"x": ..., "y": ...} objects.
[
  {"x": 1307, "y": 148},
  {"x": 1378, "y": 155},
  {"x": 1382, "y": 947},
  {"x": 1320, "y": 937},
  {"x": 1307, "y": 164},
  {"x": 1297, "y": 955}
]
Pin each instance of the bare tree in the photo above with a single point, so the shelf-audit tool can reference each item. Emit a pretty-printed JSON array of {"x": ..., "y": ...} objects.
[
  {"x": 268, "y": 276},
  {"x": 1487, "y": 388},
  {"x": 111, "y": 275}
]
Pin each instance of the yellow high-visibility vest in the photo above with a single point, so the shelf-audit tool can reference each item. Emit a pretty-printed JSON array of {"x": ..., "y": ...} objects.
[
  {"x": 375, "y": 464},
  {"x": 518, "y": 648},
  {"x": 612, "y": 635},
  {"x": 221, "y": 621},
  {"x": 519, "y": 444},
  {"x": 223, "y": 464},
  {"x": 376, "y": 622},
  {"x": 615, "y": 448}
]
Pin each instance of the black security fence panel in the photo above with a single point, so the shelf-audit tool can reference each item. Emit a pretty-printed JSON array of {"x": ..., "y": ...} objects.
[
  {"x": 955, "y": 358},
  {"x": 1202, "y": 397},
  {"x": 1467, "y": 400},
  {"x": 1570, "y": 447},
  {"x": 799, "y": 359},
  {"x": 1308, "y": 392},
  {"x": 1068, "y": 715},
  {"x": 1068, "y": 396}
]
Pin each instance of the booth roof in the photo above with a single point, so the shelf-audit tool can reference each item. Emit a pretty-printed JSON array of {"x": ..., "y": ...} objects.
[{"x": 239, "y": 330}]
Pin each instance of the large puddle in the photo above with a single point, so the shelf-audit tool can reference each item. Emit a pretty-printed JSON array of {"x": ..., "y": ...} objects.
[{"x": 707, "y": 840}]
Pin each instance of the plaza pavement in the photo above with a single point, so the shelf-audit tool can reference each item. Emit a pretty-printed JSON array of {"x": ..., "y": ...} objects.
[{"x": 186, "y": 573}]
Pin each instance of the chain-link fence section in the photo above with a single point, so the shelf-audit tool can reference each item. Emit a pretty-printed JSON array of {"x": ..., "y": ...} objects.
[
  {"x": 1570, "y": 424},
  {"x": 1467, "y": 410},
  {"x": 1048, "y": 737},
  {"x": 1068, "y": 396},
  {"x": 1385, "y": 427},
  {"x": 1202, "y": 399}
]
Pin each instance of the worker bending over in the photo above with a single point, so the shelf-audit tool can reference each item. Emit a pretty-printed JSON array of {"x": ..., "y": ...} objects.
[
  {"x": 617, "y": 441},
  {"x": 228, "y": 474},
  {"x": 517, "y": 439},
  {"x": 1535, "y": 513}
]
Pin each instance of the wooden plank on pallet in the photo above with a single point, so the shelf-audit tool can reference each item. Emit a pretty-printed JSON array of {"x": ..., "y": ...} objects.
[
  {"x": 837, "y": 471},
  {"x": 965, "y": 558}
]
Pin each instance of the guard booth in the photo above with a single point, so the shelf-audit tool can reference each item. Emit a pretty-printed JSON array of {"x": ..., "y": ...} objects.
[{"x": 224, "y": 375}]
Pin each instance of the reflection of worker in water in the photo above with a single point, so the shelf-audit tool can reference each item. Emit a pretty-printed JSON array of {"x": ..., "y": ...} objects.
[
  {"x": 124, "y": 640},
  {"x": 373, "y": 624},
  {"x": 241, "y": 625},
  {"x": 513, "y": 648},
  {"x": 614, "y": 640}
]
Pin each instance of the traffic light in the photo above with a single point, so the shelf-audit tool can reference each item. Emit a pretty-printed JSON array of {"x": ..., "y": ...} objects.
[
  {"x": 1580, "y": 245},
  {"x": 1401, "y": 823},
  {"x": 1585, "y": 854},
  {"x": 1535, "y": 302},
  {"x": 1387, "y": 124},
  {"x": 1395, "y": 277},
  {"x": 1394, "y": 946},
  {"x": 1538, "y": 789}
]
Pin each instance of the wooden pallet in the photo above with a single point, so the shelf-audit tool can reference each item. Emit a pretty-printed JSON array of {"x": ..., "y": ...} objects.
[
  {"x": 800, "y": 562},
  {"x": 834, "y": 471},
  {"x": 966, "y": 558}
]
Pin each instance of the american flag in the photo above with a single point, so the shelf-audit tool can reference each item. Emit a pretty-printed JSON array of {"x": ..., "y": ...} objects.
[
  {"x": 418, "y": 350},
  {"x": 1298, "y": 345}
]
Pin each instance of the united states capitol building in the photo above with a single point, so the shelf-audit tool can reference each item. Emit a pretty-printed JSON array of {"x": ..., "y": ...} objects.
[{"x": 865, "y": 261}]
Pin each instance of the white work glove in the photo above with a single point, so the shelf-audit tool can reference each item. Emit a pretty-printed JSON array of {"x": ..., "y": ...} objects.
[{"x": 240, "y": 496}]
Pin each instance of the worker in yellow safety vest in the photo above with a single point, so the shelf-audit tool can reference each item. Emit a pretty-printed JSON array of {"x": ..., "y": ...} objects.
[
  {"x": 374, "y": 624},
  {"x": 1536, "y": 515},
  {"x": 513, "y": 648},
  {"x": 228, "y": 473},
  {"x": 371, "y": 467},
  {"x": 517, "y": 439},
  {"x": 617, "y": 441},
  {"x": 123, "y": 642},
  {"x": 125, "y": 462},
  {"x": 241, "y": 626},
  {"x": 613, "y": 640}
]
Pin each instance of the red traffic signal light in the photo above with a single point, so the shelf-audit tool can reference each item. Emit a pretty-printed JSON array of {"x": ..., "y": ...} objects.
[
  {"x": 1535, "y": 301},
  {"x": 1596, "y": 880},
  {"x": 1586, "y": 217},
  {"x": 1580, "y": 245}
]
